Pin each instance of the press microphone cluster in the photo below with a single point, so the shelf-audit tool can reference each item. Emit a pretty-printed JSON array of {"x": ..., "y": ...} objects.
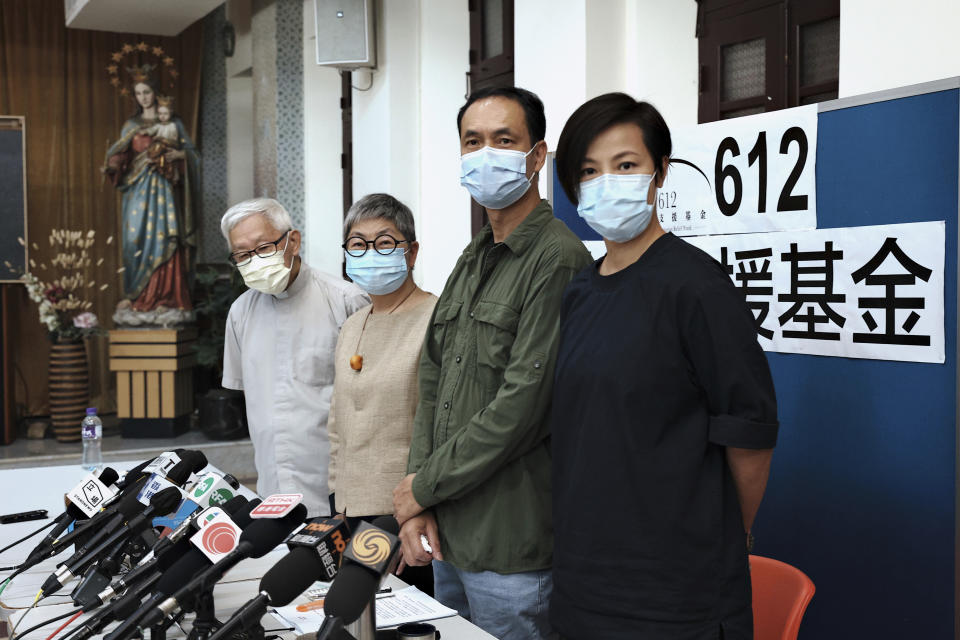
[
  {"x": 161, "y": 573},
  {"x": 131, "y": 483},
  {"x": 149, "y": 546},
  {"x": 160, "y": 491}
]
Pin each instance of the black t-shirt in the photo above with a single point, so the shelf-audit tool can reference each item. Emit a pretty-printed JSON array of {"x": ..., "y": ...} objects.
[{"x": 658, "y": 371}]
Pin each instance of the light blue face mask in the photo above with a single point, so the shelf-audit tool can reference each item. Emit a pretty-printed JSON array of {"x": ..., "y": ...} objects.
[
  {"x": 377, "y": 274},
  {"x": 495, "y": 178},
  {"x": 615, "y": 205}
]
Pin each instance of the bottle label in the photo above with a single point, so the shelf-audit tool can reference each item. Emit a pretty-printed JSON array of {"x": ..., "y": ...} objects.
[{"x": 90, "y": 431}]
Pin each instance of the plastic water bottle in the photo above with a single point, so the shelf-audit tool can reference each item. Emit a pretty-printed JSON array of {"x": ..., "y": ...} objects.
[{"x": 91, "y": 430}]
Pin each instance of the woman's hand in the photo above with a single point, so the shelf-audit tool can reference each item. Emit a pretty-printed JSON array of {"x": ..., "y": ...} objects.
[{"x": 170, "y": 156}]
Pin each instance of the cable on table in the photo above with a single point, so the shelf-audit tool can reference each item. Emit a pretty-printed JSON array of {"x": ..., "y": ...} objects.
[
  {"x": 13, "y": 633},
  {"x": 61, "y": 627},
  {"x": 27, "y": 537},
  {"x": 74, "y": 613}
]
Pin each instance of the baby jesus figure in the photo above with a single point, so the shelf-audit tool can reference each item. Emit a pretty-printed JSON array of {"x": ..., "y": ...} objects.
[{"x": 166, "y": 138}]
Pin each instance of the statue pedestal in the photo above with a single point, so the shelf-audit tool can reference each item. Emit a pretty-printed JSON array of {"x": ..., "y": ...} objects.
[{"x": 154, "y": 370}]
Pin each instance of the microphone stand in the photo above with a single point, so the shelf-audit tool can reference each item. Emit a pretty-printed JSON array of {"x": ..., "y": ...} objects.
[
  {"x": 364, "y": 627},
  {"x": 206, "y": 621}
]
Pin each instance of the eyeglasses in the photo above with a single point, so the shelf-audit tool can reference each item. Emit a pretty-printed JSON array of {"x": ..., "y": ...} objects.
[
  {"x": 265, "y": 250},
  {"x": 384, "y": 244}
]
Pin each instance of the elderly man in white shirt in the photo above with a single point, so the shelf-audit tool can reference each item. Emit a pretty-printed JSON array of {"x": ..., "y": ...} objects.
[{"x": 279, "y": 347}]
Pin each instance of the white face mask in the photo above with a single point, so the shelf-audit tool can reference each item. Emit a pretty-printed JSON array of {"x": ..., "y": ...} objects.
[
  {"x": 615, "y": 205},
  {"x": 377, "y": 274},
  {"x": 495, "y": 178},
  {"x": 268, "y": 275}
]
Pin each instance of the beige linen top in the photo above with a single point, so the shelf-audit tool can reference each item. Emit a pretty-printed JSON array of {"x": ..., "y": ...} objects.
[{"x": 371, "y": 415}]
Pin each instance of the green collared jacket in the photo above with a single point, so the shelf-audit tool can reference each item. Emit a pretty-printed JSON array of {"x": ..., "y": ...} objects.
[{"x": 481, "y": 435}]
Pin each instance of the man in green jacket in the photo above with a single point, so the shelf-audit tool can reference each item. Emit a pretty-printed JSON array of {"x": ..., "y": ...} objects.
[{"x": 478, "y": 489}]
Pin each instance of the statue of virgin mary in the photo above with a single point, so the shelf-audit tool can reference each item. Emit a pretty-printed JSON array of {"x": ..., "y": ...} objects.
[{"x": 156, "y": 174}]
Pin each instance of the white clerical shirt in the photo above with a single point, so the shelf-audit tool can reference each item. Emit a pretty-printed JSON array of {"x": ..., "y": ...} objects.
[{"x": 279, "y": 350}]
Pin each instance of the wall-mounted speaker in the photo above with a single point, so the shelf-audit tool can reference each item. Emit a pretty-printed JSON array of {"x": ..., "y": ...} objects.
[{"x": 346, "y": 36}]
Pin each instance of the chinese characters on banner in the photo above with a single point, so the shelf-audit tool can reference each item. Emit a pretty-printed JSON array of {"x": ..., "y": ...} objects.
[
  {"x": 752, "y": 174},
  {"x": 860, "y": 292}
]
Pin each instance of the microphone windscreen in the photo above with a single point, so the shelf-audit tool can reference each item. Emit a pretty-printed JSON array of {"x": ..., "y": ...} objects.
[
  {"x": 242, "y": 518},
  {"x": 134, "y": 474},
  {"x": 351, "y": 592},
  {"x": 165, "y": 501},
  {"x": 388, "y": 524},
  {"x": 108, "y": 476},
  {"x": 196, "y": 459},
  {"x": 180, "y": 472},
  {"x": 292, "y": 575},
  {"x": 182, "y": 571},
  {"x": 264, "y": 534},
  {"x": 234, "y": 505},
  {"x": 174, "y": 553},
  {"x": 129, "y": 505}
]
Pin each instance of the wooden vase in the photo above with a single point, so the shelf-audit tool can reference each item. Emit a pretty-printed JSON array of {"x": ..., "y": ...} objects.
[{"x": 69, "y": 394}]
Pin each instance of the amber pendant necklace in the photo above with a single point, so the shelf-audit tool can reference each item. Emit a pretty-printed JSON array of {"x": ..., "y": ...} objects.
[{"x": 356, "y": 360}]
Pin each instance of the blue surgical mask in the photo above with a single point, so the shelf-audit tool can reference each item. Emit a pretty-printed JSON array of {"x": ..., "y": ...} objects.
[
  {"x": 495, "y": 178},
  {"x": 378, "y": 274},
  {"x": 615, "y": 205}
]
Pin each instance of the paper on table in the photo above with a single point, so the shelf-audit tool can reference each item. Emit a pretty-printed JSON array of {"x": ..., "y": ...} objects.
[
  {"x": 404, "y": 605},
  {"x": 409, "y": 605}
]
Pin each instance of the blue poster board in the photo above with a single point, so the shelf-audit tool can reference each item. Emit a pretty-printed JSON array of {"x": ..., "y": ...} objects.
[{"x": 862, "y": 495}]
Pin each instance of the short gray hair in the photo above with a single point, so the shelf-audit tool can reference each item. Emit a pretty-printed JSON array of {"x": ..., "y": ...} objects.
[
  {"x": 381, "y": 205},
  {"x": 268, "y": 207}
]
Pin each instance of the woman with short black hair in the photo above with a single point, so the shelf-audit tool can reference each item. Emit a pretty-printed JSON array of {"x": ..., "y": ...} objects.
[{"x": 664, "y": 414}]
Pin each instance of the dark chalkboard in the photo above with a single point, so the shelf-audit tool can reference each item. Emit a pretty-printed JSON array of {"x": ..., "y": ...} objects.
[{"x": 13, "y": 198}]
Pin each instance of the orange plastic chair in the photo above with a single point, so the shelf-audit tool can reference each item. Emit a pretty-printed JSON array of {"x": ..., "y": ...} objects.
[{"x": 781, "y": 594}]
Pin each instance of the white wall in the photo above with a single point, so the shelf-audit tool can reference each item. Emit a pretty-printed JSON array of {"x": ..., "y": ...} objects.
[
  {"x": 585, "y": 48},
  {"x": 662, "y": 57},
  {"x": 443, "y": 223},
  {"x": 385, "y": 110},
  {"x": 550, "y": 57},
  {"x": 886, "y": 44},
  {"x": 323, "y": 136},
  {"x": 404, "y": 127}
]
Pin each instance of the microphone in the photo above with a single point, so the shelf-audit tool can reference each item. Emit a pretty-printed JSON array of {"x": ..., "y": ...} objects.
[
  {"x": 370, "y": 554},
  {"x": 72, "y": 513},
  {"x": 108, "y": 476},
  {"x": 311, "y": 558},
  {"x": 285, "y": 580},
  {"x": 326, "y": 538},
  {"x": 167, "y": 571},
  {"x": 255, "y": 541},
  {"x": 162, "y": 502},
  {"x": 212, "y": 489}
]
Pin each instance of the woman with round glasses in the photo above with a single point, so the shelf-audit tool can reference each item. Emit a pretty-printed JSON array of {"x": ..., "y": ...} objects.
[
  {"x": 377, "y": 359},
  {"x": 664, "y": 416}
]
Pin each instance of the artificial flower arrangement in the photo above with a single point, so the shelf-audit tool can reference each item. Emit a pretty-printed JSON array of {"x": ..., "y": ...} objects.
[{"x": 62, "y": 307}]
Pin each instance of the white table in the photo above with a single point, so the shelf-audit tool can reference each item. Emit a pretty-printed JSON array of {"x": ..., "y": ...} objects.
[{"x": 43, "y": 488}]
